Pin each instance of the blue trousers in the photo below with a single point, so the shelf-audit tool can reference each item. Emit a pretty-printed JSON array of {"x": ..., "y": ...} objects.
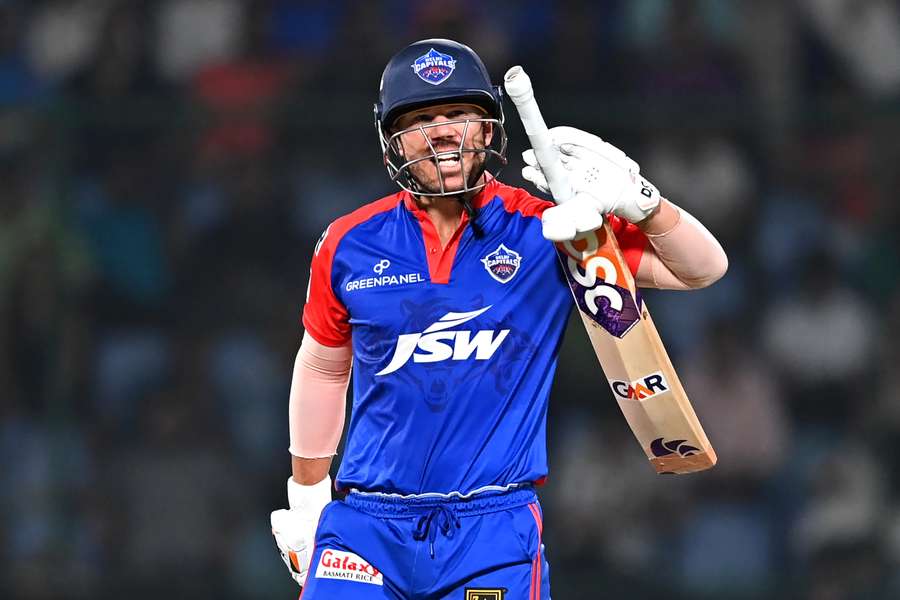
[{"x": 484, "y": 548}]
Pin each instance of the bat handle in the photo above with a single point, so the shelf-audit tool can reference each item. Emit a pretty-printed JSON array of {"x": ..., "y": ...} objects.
[
  {"x": 519, "y": 89},
  {"x": 518, "y": 85}
]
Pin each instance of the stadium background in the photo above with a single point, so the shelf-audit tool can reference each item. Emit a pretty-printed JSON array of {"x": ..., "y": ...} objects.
[{"x": 167, "y": 167}]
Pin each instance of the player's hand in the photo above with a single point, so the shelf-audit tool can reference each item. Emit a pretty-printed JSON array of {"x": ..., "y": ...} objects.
[
  {"x": 604, "y": 179},
  {"x": 295, "y": 528}
]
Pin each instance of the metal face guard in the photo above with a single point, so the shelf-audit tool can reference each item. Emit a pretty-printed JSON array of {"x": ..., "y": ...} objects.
[{"x": 399, "y": 168}]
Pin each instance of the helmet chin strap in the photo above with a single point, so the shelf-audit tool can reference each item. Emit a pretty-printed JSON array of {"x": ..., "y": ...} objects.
[
  {"x": 472, "y": 213},
  {"x": 466, "y": 201}
]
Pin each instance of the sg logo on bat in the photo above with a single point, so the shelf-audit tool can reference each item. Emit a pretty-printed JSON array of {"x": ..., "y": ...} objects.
[{"x": 596, "y": 279}]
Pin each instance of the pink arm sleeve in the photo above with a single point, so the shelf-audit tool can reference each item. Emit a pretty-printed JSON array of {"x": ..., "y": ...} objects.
[
  {"x": 685, "y": 257},
  {"x": 317, "y": 403}
]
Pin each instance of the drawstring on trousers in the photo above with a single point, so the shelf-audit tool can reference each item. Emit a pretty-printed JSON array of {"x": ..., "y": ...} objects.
[{"x": 446, "y": 521}]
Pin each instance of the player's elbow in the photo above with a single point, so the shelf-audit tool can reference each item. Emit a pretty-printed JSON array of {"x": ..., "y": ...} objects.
[{"x": 714, "y": 269}]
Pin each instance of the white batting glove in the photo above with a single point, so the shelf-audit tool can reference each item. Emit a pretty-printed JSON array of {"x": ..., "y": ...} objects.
[
  {"x": 605, "y": 180},
  {"x": 295, "y": 529}
]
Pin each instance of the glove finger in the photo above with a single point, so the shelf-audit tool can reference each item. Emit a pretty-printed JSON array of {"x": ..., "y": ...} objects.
[
  {"x": 556, "y": 225},
  {"x": 530, "y": 158},
  {"x": 571, "y": 135},
  {"x": 288, "y": 531},
  {"x": 575, "y": 142},
  {"x": 586, "y": 215},
  {"x": 618, "y": 157},
  {"x": 611, "y": 155},
  {"x": 536, "y": 176},
  {"x": 571, "y": 162},
  {"x": 280, "y": 520},
  {"x": 572, "y": 151}
]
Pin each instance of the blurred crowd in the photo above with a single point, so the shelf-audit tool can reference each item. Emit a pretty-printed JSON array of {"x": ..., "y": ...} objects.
[{"x": 168, "y": 166}]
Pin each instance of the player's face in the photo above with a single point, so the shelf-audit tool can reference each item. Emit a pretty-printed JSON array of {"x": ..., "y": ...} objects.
[{"x": 444, "y": 129}]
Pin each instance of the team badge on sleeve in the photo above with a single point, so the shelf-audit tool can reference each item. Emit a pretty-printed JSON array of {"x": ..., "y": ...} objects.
[
  {"x": 434, "y": 67},
  {"x": 502, "y": 264}
]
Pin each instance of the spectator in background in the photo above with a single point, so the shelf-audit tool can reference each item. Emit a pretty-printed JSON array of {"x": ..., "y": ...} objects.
[
  {"x": 251, "y": 248},
  {"x": 44, "y": 270},
  {"x": 721, "y": 533},
  {"x": 865, "y": 35},
  {"x": 882, "y": 410},
  {"x": 645, "y": 21},
  {"x": 121, "y": 66},
  {"x": 742, "y": 406},
  {"x": 193, "y": 34},
  {"x": 686, "y": 60},
  {"x": 122, "y": 218},
  {"x": 240, "y": 94},
  {"x": 708, "y": 174},
  {"x": 727, "y": 544},
  {"x": 18, "y": 82},
  {"x": 839, "y": 537},
  {"x": 602, "y": 471},
  {"x": 580, "y": 56},
  {"x": 62, "y": 36},
  {"x": 174, "y": 487},
  {"x": 237, "y": 280},
  {"x": 103, "y": 93},
  {"x": 310, "y": 29},
  {"x": 821, "y": 337}
]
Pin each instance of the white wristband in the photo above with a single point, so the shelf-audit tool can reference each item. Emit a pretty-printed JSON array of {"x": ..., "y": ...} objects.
[{"x": 309, "y": 497}]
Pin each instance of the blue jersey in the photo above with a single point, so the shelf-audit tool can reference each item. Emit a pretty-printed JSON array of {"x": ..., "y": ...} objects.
[{"x": 454, "y": 348}]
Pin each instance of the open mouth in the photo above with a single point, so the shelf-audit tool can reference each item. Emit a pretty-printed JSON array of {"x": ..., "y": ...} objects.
[
  {"x": 448, "y": 157},
  {"x": 448, "y": 161}
]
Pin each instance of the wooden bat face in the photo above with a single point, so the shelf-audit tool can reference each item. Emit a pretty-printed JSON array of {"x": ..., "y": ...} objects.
[{"x": 625, "y": 340}]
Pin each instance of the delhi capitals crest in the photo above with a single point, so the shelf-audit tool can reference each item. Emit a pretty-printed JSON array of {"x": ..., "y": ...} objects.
[
  {"x": 434, "y": 67},
  {"x": 502, "y": 264}
]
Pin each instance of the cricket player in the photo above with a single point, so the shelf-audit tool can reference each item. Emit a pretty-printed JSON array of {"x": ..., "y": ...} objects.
[{"x": 449, "y": 300}]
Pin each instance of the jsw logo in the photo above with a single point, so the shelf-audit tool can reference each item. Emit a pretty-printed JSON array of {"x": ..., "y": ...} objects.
[{"x": 436, "y": 343}]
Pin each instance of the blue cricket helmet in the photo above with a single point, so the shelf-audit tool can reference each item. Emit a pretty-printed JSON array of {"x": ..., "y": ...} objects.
[
  {"x": 435, "y": 71},
  {"x": 430, "y": 72}
]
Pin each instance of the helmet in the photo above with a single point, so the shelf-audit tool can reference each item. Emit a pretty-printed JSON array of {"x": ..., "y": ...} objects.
[{"x": 430, "y": 72}]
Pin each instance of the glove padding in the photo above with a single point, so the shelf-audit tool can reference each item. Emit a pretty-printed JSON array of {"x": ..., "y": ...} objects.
[
  {"x": 604, "y": 179},
  {"x": 295, "y": 528}
]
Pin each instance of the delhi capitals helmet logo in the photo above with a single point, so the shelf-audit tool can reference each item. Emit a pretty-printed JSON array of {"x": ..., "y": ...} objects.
[
  {"x": 434, "y": 67},
  {"x": 502, "y": 264}
]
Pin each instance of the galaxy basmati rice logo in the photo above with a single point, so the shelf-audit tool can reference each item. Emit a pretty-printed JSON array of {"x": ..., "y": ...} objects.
[{"x": 434, "y": 67}]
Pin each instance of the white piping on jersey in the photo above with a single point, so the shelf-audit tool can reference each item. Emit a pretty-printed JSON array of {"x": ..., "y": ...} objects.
[{"x": 447, "y": 496}]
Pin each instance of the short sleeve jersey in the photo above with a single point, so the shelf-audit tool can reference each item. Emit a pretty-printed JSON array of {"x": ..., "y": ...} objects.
[{"x": 454, "y": 347}]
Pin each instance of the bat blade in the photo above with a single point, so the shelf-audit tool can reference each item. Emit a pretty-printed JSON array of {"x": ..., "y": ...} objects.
[
  {"x": 617, "y": 322},
  {"x": 631, "y": 353}
]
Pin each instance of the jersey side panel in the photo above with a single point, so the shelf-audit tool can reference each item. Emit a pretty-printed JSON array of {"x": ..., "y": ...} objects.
[{"x": 325, "y": 316}]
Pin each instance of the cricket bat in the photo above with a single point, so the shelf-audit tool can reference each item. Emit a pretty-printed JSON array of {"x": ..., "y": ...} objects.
[{"x": 617, "y": 321}]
